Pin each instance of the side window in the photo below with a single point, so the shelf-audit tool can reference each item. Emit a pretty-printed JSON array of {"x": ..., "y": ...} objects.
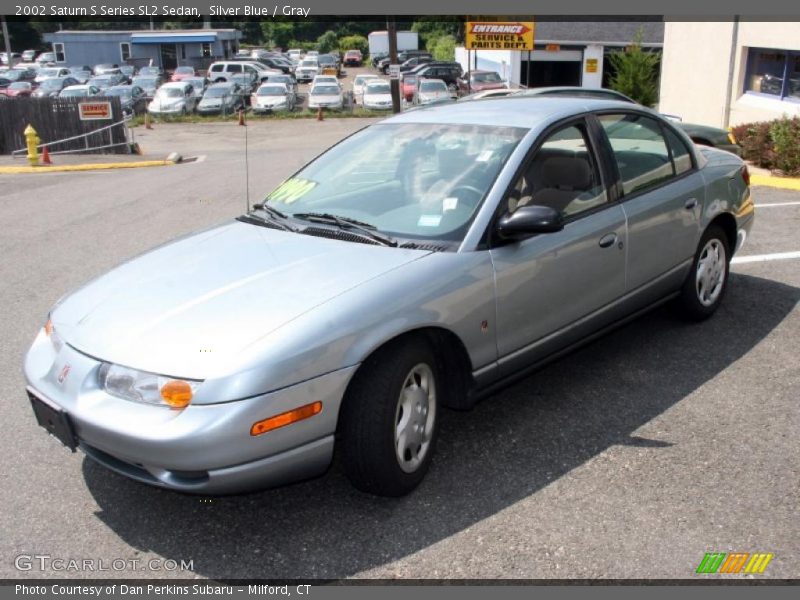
[
  {"x": 234, "y": 68},
  {"x": 216, "y": 68},
  {"x": 639, "y": 149},
  {"x": 563, "y": 174},
  {"x": 680, "y": 153}
]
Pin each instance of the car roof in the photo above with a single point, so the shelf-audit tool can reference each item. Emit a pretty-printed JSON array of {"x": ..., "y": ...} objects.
[
  {"x": 567, "y": 89},
  {"x": 514, "y": 111},
  {"x": 175, "y": 84},
  {"x": 222, "y": 84}
]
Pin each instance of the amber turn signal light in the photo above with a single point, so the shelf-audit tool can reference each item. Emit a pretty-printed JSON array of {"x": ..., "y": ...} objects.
[
  {"x": 48, "y": 327},
  {"x": 176, "y": 393},
  {"x": 287, "y": 418}
]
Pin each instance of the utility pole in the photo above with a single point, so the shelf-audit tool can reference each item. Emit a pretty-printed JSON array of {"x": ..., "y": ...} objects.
[
  {"x": 7, "y": 40},
  {"x": 391, "y": 29}
]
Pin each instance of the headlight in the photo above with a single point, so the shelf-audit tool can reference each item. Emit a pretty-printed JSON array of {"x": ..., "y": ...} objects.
[{"x": 148, "y": 388}]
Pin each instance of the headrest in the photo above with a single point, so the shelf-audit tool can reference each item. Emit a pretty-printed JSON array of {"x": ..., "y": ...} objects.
[{"x": 566, "y": 173}]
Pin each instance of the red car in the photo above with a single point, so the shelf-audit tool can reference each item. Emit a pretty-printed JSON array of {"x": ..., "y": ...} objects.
[
  {"x": 182, "y": 73},
  {"x": 408, "y": 86},
  {"x": 18, "y": 89},
  {"x": 353, "y": 58},
  {"x": 479, "y": 81}
]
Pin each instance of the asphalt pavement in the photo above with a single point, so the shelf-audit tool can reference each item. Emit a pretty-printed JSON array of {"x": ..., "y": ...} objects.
[{"x": 628, "y": 459}]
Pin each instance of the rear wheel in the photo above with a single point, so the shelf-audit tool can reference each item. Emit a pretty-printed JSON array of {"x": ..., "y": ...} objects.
[
  {"x": 390, "y": 419},
  {"x": 706, "y": 283}
]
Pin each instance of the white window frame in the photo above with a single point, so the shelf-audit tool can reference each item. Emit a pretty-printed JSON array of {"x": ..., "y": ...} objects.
[
  {"x": 122, "y": 54},
  {"x": 62, "y": 52}
]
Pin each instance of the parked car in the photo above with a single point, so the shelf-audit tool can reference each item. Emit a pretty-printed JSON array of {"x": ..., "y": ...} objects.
[
  {"x": 377, "y": 95},
  {"x": 182, "y": 73},
  {"x": 295, "y": 54},
  {"x": 353, "y": 58},
  {"x": 151, "y": 71},
  {"x": 106, "y": 69},
  {"x": 28, "y": 55},
  {"x": 17, "y": 89},
  {"x": 383, "y": 64},
  {"x": 198, "y": 83},
  {"x": 49, "y": 72},
  {"x": 225, "y": 97},
  {"x": 447, "y": 72},
  {"x": 15, "y": 58},
  {"x": 432, "y": 90},
  {"x": 128, "y": 70},
  {"x": 408, "y": 86},
  {"x": 79, "y": 91},
  {"x": 359, "y": 83},
  {"x": 307, "y": 69},
  {"x": 132, "y": 98},
  {"x": 479, "y": 81},
  {"x": 4, "y": 82},
  {"x": 82, "y": 73},
  {"x": 46, "y": 57},
  {"x": 329, "y": 65},
  {"x": 331, "y": 79},
  {"x": 149, "y": 83},
  {"x": 536, "y": 225},
  {"x": 326, "y": 95},
  {"x": 700, "y": 134},
  {"x": 277, "y": 63},
  {"x": 247, "y": 83},
  {"x": 17, "y": 74},
  {"x": 414, "y": 62},
  {"x": 52, "y": 87},
  {"x": 174, "y": 98},
  {"x": 288, "y": 80},
  {"x": 272, "y": 97},
  {"x": 109, "y": 80},
  {"x": 224, "y": 70}
]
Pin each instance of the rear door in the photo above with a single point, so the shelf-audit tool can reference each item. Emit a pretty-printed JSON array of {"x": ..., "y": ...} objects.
[
  {"x": 662, "y": 195},
  {"x": 551, "y": 287}
]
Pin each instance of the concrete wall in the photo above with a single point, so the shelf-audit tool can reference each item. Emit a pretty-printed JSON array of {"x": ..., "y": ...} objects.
[{"x": 695, "y": 71}]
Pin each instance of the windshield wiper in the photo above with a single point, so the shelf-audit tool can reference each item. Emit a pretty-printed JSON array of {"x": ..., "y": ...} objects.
[
  {"x": 275, "y": 216},
  {"x": 365, "y": 229}
]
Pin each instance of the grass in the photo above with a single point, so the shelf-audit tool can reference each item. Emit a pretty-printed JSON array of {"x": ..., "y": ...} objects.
[{"x": 357, "y": 113}]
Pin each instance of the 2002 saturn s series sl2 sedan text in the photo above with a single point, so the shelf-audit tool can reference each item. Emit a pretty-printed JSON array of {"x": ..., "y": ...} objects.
[{"x": 416, "y": 265}]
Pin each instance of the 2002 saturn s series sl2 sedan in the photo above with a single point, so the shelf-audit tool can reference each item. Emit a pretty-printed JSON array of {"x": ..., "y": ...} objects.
[{"x": 416, "y": 265}]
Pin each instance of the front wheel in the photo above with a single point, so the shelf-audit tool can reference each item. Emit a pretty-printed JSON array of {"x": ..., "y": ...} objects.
[
  {"x": 390, "y": 420},
  {"x": 707, "y": 281}
]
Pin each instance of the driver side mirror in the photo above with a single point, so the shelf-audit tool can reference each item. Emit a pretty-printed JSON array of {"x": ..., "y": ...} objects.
[{"x": 528, "y": 220}]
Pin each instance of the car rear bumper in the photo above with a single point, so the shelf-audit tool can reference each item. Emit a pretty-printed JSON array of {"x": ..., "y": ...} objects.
[{"x": 204, "y": 448}]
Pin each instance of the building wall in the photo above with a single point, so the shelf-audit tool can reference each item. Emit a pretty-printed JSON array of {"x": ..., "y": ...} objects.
[
  {"x": 695, "y": 76},
  {"x": 91, "y": 51}
]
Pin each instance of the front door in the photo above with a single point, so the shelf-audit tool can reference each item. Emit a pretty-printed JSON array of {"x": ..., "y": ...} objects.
[
  {"x": 551, "y": 286},
  {"x": 169, "y": 57}
]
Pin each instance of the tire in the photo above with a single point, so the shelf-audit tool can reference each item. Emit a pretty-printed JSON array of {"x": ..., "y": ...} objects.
[
  {"x": 707, "y": 281},
  {"x": 387, "y": 403}
]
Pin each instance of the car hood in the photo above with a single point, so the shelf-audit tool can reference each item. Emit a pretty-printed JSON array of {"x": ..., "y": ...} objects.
[
  {"x": 270, "y": 100},
  {"x": 192, "y": 305},
  {"x": 325, "y": 98},
  {"x": 494, "y": 85},
  {"x": 166, "y": 103},
  {"x": 376, "y": 98}
]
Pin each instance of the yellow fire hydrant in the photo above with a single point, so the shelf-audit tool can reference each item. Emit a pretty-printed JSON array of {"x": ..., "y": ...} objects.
[{"x": 32, "y": 141}]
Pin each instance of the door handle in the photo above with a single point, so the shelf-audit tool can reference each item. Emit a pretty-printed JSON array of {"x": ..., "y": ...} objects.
[
  {"x": 690, "y": 204},
  {"x": 608, "y": 240}
]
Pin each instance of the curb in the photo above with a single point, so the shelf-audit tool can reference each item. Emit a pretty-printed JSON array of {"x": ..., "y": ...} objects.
[
  {"x": 786, "y": 183},
  {"x": 86, "y": 167}
]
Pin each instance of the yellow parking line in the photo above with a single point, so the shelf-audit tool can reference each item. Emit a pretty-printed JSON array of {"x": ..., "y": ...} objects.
[
  {"x": 786, "y": 183},
  {"x": 85, "y": 167}
]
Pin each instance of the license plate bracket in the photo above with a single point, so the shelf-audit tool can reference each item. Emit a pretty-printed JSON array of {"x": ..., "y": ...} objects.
[{"x": 55, "y": 420}]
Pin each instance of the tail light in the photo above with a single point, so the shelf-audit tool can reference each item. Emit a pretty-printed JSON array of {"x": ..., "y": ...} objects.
[{"x": 746, "y": 175}]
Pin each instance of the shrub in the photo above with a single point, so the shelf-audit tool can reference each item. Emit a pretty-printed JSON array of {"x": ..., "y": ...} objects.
[
  {"x": 636, "y": 72},
  {"x": 327, "y": 42},
  {"x": 354, "y": 42},
  {"x": 772, "y": 144},
  {"x": 443, "y": 48}
]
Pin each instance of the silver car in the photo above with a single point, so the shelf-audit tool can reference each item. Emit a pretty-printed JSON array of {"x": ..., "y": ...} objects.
[{"x": 419, "y": 264}]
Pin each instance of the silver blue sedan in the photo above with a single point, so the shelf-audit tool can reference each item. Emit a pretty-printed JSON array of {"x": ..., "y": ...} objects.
[{"x": 419, "y": 264}]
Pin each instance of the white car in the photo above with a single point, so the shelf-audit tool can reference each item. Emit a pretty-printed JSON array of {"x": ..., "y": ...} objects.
[
  {"x": 326, "y": 95},
  {"x": 295, "y": 55},
  {"x": 79, "y": 91},
  {"x": 49, "y": 72},
  {"x": 377, "y": 95},
  {"x": 359, "y": 83},
  {"x": 176, "y": 98},
  {"x": 271, "y": 97},
  {"x": 325, "y": 79},
  {"x": 307, "y": 69},
  {"x": 432, "y": 90}
]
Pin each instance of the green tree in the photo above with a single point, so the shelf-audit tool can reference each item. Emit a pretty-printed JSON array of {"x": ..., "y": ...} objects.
[
  {"x": 636, "y": 72},
  {"x": 442, "y": 48},
  {"x": 354, "y": 42},
  {"x": 327, "y": 42},
  {"x": 278, "y": 34}
]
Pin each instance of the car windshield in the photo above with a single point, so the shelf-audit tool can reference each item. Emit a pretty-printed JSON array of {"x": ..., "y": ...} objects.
[
  {"x": 20, "y": 85},
  {"x": 185, "y": 70},
  {"x": 218, "y": 92},
  {"x": 309, "y": 63},
  {"x": 378, "y": 88},
  {"x": 100, "y": 81},
  {"x": 76, "y": 93},
  {"x": 325, "y": 90},
  {"x": 409, "y": 180},
  {"x": 432, "y": 86},
  {"x": 122, "y": 92},
  {"x": 166, "y": 92},
  {"x": 145, "y": 81},
  {"x": 149, "y": 70},
  {"x": 279, "y": 79},
  {"x": 271, "y": 90},
  {"x": 51, "y": 83},
  {"x": 13, "y": 75},
  {"x": 361, "y": 80},
  {"x": 486, "y": 78},
  {"x": 48, "y": 72},
  {"x": 78, "y": 71}
]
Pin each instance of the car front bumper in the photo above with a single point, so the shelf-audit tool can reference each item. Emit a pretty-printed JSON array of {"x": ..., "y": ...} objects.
[{"x": 204, "y": 448}]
